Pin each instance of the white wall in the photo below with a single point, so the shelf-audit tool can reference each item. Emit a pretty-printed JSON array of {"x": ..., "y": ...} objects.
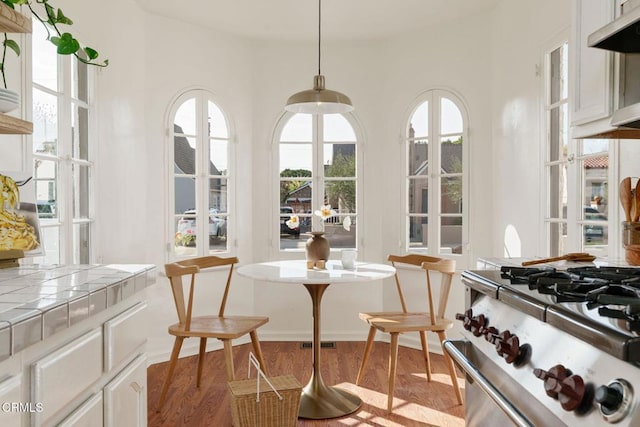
[
  {"x": 489, "y": 60},
  {"x": 517, "y": 44}
]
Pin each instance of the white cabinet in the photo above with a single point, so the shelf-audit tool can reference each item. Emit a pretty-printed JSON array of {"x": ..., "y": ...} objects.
[
  {"x": 123, "y": 335},
  {"x": 89, "y": 414},
  {"x": 125, "y": 398},
  {"x": 592, "y": 76},
  {"x": 63, "y": 375},
  {"x": 10, "y": 396}
]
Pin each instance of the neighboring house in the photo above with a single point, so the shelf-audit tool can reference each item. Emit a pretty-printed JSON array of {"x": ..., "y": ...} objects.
[{"x": 595, "y": 193}]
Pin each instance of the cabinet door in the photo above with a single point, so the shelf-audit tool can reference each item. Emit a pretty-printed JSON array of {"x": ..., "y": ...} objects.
[
  {"x": 89, "y": 414},
  {"x": 13, "y": 406},
  {"x": 125, "y": 397},
  {"x": 123, "y": 335},
  {"x": 592, "y": 76},
  {"x": 65, "y": 374}
]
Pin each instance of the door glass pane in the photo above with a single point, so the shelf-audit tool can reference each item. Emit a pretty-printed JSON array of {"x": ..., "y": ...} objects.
[
  {"x": 81, "y": 240},
  {"x": 46, "y": 58},
  {"x": 297, "y": 158},
  {"x": 451, "y": 235},
  {"x": 298, "y": 128},
  {"x": 451, "y": 155},
  {"x": 338, "y": 235},
  {"x": 45, "y": 122},
  {"x": 79, "y": 77},
  {"x": 45, "y": 176},
  {"x": 185, "y": 119},
  {"x": 418, "y": 196},
  {"x": 558, "y": 191},
  {"x": 340, "y": 160},
  {"x": 295, "y": 194},
  {"x": 558, "y": 62},
  {"x": 185, "y": 234},
  {"x": 185, "y": 194},
  {"x": 419, "y": 157},
  {"x": 419, "y": 126},
  {"x": 184, "y": 155},
  {"x": 217, "y": 123},
  {"x": 558, "y": 137},
  {"x": 341, "y": 195},
  {"x": 595, "y": 208},
  {"x": 218, "y": 194},
  {"x": 81, "y": 177},
  {"x": 337, "y": 128},
  {"x": 557, "y": 238},
  {"x": 451, "y": 118},
  {"x": 219, "y": 157},
  {"x": 50, "y": 236},
  {"x": 451, "y": 192},
  {"x": 418, "y": 231},
  {"x": 80, "y": 132}
]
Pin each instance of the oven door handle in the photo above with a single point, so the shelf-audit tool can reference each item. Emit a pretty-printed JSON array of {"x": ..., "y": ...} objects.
[{"x": 451, "y": 347}]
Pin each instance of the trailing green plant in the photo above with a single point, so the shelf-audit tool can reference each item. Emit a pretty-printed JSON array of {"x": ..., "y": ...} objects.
[{"x": 51, "y": 18}]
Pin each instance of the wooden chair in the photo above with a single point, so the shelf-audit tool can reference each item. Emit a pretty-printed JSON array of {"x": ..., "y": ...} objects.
[
  {"x": 398, "y": 322},
  {"x": 224, "y": 328}
]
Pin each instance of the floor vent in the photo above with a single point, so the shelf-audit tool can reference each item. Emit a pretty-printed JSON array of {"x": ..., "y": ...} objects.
[{"x": 323, "y": 344}]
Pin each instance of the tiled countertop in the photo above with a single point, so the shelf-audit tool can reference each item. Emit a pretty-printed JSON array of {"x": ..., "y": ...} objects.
[{"x": 37, "y": 301}]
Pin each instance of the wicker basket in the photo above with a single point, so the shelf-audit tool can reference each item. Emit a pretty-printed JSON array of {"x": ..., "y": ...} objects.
[{"x": 268, "y": 409}]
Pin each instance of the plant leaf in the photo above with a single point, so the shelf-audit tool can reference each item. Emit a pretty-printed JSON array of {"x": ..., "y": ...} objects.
[
  {"x": 51, "y": 15},
  {"x": 11, "y": 44},
  {"x": 67, "y": 45},
  {"x": 91, "y": 53},
  {"x": 61, "y": 19},
  {"x": 55, "y": 40}
]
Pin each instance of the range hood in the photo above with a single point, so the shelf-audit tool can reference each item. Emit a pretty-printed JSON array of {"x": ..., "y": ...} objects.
[{"x": 623, "y": 36}]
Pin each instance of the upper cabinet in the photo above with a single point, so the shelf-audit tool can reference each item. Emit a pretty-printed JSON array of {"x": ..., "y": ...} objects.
[
  {"x": 12, "y": 21},
  {"x": 592, "y": 75}
]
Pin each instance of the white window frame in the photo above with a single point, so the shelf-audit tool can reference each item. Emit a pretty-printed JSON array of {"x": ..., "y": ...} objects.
[
  {"x": 202, "y": 96},
  {"x": 433, "y": 96},
  {"x": 64, "y": 160},
  {"x": 318, "y": 180}
]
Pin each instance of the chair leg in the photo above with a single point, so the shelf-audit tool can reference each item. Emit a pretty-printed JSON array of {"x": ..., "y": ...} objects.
[
  {"x": 452, "y": 368},
  {"x": 228, "y": 358},
  {"x": 177, "y": 345},
  {"x": 393, "y": 359},
  {"x": 425, "y": 353},
  {"x": 256, "y": 348},
  {"x": 365, "y": 356},
  {"x": 203, "y": 346}
]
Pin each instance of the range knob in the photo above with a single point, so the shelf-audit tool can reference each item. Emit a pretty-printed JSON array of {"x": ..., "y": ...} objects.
[
  {"x": 615, "y": 400},
  {"x": 552, "y": 378},
  {"x": 508, "y": 347},
  {"x": 471, "y": 323},
  {"x": 490, "y": 333},
  {"x": 571, "y": 392}
]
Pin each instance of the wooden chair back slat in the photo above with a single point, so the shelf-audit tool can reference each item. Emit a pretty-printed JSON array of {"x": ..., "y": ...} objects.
[
  {"x": 177, "y": 270},
  {"x": 446, "y": 267}
]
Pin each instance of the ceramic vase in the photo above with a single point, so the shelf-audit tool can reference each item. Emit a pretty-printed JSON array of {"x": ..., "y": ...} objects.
[{"x": 317, "y": 247}]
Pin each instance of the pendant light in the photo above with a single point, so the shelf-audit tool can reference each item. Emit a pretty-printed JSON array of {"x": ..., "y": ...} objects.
[{"x": 319, "y": 100}]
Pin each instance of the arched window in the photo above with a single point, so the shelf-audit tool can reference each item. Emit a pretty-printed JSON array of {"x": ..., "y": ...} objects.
[
  {"x": 317, "y": 160},
  {"x": 436, "y": 170},
  {"x": 199, "y": 159}
]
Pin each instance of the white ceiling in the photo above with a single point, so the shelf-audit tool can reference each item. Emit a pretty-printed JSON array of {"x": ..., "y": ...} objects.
[{"x": 298, "y": 19}]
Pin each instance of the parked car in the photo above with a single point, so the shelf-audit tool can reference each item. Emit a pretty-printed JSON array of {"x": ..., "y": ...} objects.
[
  {"x": 285, "y": 214},
  {"x": 187, "y": 226}
]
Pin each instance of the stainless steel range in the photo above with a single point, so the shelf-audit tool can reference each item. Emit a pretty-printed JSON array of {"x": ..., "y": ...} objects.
[{"x": 551, "y": 347}]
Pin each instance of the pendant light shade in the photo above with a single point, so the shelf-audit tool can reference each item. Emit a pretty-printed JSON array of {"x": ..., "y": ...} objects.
[{"x": 319, "y": 100}]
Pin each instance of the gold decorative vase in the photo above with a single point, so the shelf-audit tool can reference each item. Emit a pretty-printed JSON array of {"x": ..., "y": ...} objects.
[{"x": 318, "y": 249}]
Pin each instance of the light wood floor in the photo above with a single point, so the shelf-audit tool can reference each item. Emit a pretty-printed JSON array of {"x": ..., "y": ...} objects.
[{"x": 416, "y": 403}]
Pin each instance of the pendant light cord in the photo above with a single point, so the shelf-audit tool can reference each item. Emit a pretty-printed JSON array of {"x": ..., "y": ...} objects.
[{"x": 319, "y": 33}]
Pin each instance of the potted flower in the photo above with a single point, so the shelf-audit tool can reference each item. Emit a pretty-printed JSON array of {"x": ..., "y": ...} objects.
[{"x": 66, "y": 44}]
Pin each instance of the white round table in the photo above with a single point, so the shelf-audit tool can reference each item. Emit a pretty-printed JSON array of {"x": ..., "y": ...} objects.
[{"x": 319, "y": 401}]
